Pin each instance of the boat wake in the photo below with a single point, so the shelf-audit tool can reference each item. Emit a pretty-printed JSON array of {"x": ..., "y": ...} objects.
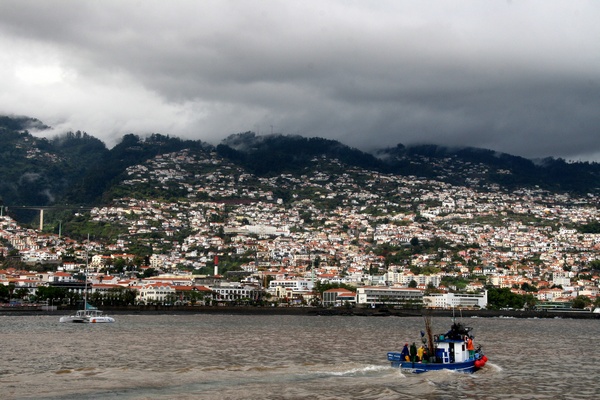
[
  {"x": 362, "y": 370},
  {"x": 495, "y": 367}
]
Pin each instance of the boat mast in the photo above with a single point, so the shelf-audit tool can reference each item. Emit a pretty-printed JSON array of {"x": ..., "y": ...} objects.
[{"x": 85, "y": 272}]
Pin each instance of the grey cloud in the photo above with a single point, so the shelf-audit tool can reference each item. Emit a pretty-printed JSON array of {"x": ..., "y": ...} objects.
[{"x": 519, "y": 77}]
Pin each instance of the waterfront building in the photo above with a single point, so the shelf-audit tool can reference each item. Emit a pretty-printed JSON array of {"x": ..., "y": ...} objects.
[
  {"x": 233, "y": 292},
  {"x": 295, "y": 285},
  {"x": 338, "y": 297},
  {"x": 456, "y": 300},
  {"x": 156, "y": 293},
  {"x": 389, "y": 296}
]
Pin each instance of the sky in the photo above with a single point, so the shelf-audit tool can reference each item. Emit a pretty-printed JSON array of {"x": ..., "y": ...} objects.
[{"x": 519, "y": 77}]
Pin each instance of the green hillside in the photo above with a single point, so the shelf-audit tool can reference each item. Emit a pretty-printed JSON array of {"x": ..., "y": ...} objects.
[{"x": 77, "y": 169}]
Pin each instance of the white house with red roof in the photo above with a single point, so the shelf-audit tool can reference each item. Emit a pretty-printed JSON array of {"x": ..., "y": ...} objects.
[{"x": 61, "y": 276}]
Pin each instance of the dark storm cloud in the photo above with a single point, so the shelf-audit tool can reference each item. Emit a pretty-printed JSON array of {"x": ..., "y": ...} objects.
[{"x": 518, "y": 77}]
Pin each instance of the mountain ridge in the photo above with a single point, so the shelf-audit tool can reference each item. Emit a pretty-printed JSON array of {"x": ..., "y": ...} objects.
[{"x": 77, "y": 168}]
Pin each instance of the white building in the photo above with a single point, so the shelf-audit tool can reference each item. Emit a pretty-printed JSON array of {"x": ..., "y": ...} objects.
[
  {"x": 561, "y": 278},
  {"x": 338, "y": 297},
  {"x": 386, "y": 295},
  {"x": 404, "y": 279},
  {"x": 260, "y": 230},
  {"x": 157, "y": 261},
  {"x": 230, "y": 292},
  {"x": 455, "y": 300},
  {"x": 296, "y": 285},
  {"x": 156, "y": 293}
]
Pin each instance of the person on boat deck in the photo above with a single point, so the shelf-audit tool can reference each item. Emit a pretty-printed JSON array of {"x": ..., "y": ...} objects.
[
  {"x": 413, "y": 352},
  {"x": 420, "y": 352},
  {"x": 470, "y": 346},
  {"x": 404, "y": 353}
]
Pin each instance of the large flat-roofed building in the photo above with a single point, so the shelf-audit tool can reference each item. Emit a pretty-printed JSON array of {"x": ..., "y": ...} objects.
[
  {"x": 297, "y": 285},
  {"x": 456, "y": 300},
  {"x": 389, "y": 295}
]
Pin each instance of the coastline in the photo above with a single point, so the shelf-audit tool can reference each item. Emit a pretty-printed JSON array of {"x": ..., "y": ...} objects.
[{"x": 308, "y": 311}]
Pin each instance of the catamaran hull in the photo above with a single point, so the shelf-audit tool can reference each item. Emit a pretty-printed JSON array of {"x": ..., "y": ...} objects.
[
  {"x": 101, "y": 320},
  {"x": 73, "y": 319},
  {"x": 93, "y": 320}
]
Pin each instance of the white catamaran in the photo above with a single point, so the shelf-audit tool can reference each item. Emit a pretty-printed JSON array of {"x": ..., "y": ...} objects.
[{"x": 89, "y": 314}]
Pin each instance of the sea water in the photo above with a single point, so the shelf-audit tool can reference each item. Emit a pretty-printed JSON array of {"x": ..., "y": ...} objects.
[{"x": 287, "y": 357}]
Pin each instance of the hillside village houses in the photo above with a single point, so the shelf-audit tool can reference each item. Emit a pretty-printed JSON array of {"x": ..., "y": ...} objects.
[
  {"x": 290, "y": 252},
  {"x": 290, "y": 287}
]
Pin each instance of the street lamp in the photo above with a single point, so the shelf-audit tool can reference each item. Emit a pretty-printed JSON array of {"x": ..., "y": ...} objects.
[{"x": 52, "y": 303}]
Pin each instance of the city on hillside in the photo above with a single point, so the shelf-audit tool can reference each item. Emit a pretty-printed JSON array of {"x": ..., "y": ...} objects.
[{"x": 356, "y": 238}]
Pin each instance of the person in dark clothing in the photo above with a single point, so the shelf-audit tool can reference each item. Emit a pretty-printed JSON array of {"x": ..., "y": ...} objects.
[
  {"x": 405, "y": 354},
  {"x": 413, "y": 352}
]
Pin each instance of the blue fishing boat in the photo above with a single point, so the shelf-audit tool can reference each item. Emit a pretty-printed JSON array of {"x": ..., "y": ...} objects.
[{"x": 453, "y": 350}]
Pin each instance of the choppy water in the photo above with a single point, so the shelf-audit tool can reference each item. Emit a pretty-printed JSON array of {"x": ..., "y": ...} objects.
[{"x": 286, "y": 357}]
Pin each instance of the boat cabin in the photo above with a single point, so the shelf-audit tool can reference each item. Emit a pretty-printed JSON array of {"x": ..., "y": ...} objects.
[{"x": 450, "y": 350}]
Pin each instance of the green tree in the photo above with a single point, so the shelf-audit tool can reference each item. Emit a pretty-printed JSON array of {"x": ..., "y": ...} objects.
[
  {"x": 45, "y": 293},
  {"x": 322, "y": 287},
  {"x": 149, "y": 272},
  {"x": 21, "y": 293},
  {"x": 581, "y": 302},
  {"x": 530, "y": 301},
  {"x": 4, "y": 293},
  {"x": 194, "y": 296},
  {"x": 504, "y": 298},
  {"x": 528, "y": 288}
]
